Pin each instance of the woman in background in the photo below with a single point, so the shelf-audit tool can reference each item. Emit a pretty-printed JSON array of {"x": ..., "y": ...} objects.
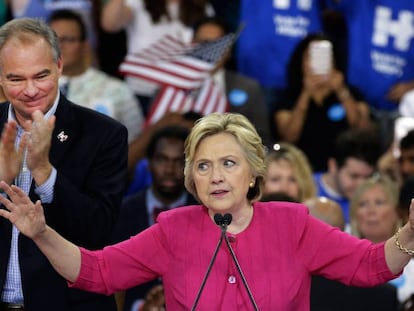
[
  {"x": 288, "y": 171},
  {"x": 375, "y": 216},
  {"x": 317, "y": 106}
]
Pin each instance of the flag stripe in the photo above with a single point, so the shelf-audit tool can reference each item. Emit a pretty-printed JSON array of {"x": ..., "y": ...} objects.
[
  {"x": 172, "y": 62},
  {"x": 210, "y": 99},
  {"x": 164, "y": 77}
]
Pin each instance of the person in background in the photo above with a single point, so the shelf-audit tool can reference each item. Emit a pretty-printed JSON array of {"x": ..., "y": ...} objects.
[
  {"x": 71, "y": 159},
  {"x": 381, "y": 58},
  {"x": 326, "y": 210},
  {"x": 354, "y": 159},
  {"x": 146, "y": 22},
  {"x": 373, "y": 209},
  {"x": 288, "y": 171},
  {"x": 165, "y": 154},
  {"x": 326, "y": 294},
  {"x": 139, "y": 175},
  {"x": 43, "y": 10},
  {"x": 155, "y": 300},
  {"x": 399, "y": 165},
  {"x": 244, "y": 94},
  {"x": 269, "y": 37},
  {"x": 318, "y": 103},
  {"x": 89, "y": 86},
  {"x": 375, "y": 216},
  {"x": 224, "y": 170}
]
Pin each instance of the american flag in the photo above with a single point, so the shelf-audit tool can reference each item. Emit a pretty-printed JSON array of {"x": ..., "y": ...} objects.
[
  {"x": 183, "y": 72},
  {"x": 172, "y": 62},
  {"x": 205, "y": 100}
]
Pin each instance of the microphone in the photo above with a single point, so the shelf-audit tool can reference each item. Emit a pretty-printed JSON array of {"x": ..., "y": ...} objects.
[{"x": 223, "y": 222}]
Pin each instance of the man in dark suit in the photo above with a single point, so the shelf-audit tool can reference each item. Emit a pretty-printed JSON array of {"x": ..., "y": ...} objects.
[
  {"x": 70, "y": 158},
  {"x": 244, "y": 94},
  {"x": 165, "y": 163}
]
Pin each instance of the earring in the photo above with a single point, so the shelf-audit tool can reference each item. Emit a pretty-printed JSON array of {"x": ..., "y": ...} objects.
[{"x": 251, "y": 185}]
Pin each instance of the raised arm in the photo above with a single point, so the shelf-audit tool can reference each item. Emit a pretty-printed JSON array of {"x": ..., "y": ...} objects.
[
  {"x": 29, "y": 219},
  {"x": 398, "y": 247},
  {"x": 115, "y": 15}
]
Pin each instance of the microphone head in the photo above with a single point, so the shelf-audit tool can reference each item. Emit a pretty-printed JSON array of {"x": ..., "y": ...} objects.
[
  {"x": 218, "y": 218},
  {"x": 227, "y": 218}
]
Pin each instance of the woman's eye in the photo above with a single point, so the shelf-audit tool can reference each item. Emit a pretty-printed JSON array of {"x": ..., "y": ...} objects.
[
  {"x": 228, "y": 163},
  {"x": 202, "y": 166}
]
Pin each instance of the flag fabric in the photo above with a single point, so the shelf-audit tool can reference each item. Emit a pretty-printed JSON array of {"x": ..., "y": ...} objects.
[
  {"x": 205, "y": 100},
  {"x": 172, "y": 62},
  {"x": 183, "y": 72}
]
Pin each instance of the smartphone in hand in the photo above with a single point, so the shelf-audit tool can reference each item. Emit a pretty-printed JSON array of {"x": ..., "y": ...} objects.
[{"x": 320, "y": 54}]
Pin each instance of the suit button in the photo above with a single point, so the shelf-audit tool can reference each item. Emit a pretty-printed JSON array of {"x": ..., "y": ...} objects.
[{"x": 232, "y": 279}]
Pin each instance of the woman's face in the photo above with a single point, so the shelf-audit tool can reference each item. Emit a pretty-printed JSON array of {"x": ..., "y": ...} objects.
[
  {"x": 280, "y": 177},
  {"x": 375, "y": 215},
  {"x": 221, "y": 173}
]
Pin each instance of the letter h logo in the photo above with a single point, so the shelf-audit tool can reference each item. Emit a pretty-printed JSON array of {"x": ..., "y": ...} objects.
[{"x": 402, "y": 29}]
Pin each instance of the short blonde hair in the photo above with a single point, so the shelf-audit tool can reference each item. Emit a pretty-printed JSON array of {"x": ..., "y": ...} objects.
[
  {"x": 391, "y": 190},
  {"x": 246, "y": 135},
  {"x": 300, "y": 165}
]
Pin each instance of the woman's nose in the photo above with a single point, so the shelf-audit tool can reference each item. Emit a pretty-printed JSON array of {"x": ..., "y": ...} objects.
[{"x": 217, "y": 175}]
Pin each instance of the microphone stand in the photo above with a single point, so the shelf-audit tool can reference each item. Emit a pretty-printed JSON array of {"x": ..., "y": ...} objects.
[
  {"x": 220, "y": 222},
  {"x": 223, "y": 222},
  {"x": 236, "y": 262}
]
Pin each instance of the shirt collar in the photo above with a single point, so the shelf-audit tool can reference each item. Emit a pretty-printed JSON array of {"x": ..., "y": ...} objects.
[{"x": 153, "y": 201}]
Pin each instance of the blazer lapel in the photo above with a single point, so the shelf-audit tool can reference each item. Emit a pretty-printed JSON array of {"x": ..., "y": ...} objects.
[{"x": 65, "y": 132}]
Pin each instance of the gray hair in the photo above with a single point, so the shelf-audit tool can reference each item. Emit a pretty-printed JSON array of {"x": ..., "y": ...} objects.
[{"x": 29, "y": 29}]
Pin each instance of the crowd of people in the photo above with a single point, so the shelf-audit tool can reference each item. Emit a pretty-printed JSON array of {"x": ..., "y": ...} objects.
[{"x": 101, "y": 209}]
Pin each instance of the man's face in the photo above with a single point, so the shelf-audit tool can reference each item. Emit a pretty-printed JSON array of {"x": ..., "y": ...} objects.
[
  {"x": 167, "y": 168},
  {"x": 350, "y": 175},
  {"x": 406, "y": 162},
  {"x": 29, "y": 75},
  {"x": 73, "y": 49}
]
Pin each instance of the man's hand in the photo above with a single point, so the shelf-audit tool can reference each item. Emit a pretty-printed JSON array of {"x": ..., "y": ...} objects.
[
  {"x": 38, "y": 147},
  {"x": 11, "y": 158}
]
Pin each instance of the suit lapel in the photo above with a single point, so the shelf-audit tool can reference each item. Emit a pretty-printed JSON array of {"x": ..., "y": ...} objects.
[{"x": 65, "y": 132}]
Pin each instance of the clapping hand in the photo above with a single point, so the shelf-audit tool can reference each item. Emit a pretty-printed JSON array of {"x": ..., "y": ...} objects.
[
  {"x": 27, "y": 216},
  {"x": 38, "y": 146},
  {"x": 11, "y": 158}
]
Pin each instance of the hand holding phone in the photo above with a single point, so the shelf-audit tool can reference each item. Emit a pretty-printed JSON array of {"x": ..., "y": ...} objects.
[{"x": 320, "y": 54}]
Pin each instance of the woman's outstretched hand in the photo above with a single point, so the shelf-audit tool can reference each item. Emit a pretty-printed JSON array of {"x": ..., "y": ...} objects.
[{"x": 27, "y": 216}]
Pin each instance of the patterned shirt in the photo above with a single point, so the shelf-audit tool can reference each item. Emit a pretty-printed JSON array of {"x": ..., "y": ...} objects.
[{"x": 12, "y": 291}]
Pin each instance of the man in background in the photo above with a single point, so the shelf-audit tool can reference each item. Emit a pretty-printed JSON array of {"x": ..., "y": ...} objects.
[
  {"x": 353, "y": 160},
  {"x": 165, "y": 154},
  {"x": 89, "y": 86}
]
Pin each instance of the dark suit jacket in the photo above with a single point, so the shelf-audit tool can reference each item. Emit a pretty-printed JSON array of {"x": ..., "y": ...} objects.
[
  {"x": 239, "y": 87},
  {"x": 133, "y": 219},
  {"x": 91, "y": 177}
]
